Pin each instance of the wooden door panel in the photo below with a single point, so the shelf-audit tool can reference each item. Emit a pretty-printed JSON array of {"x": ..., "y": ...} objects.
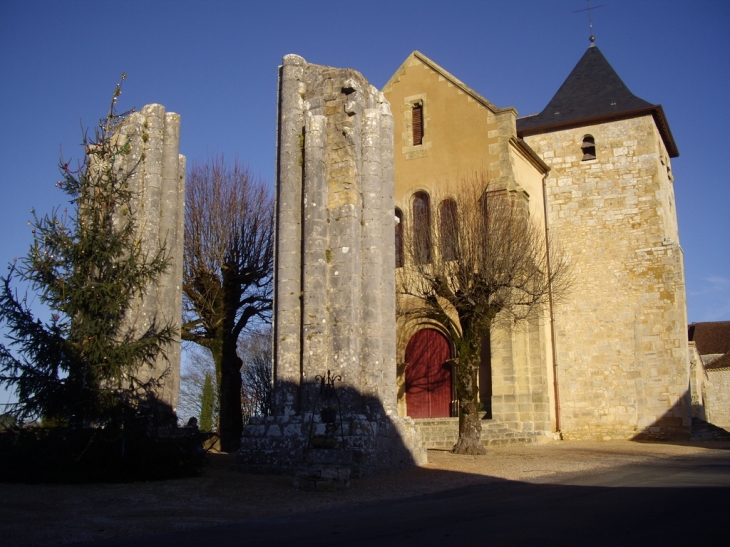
[{"x": 428, "y": 377}]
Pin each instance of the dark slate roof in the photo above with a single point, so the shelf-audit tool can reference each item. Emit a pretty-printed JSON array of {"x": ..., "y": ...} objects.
[
  {"x": 593, "y": 93},
  {"x": 710, "y": 338}
]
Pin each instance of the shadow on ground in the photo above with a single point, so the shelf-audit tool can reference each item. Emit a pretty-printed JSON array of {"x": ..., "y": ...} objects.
[
  {"x": 562, "y": 493},
  {"x": 649, "y": 503}
]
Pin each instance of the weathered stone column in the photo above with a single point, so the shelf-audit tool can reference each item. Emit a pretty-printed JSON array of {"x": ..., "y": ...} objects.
[
  {"x": 288, "y": 261},
  {"x": 387, "y": 226},
  {"x": 315, "y": 354},
  {"x": 171, "y": 235},
  {"x": 335, "y": 278},
  {"x": 372, "y": 247},
  {"x": 158, "y": 182}
]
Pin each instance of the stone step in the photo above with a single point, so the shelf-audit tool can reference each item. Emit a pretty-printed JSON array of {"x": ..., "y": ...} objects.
[{"x": 442, "y": 433}]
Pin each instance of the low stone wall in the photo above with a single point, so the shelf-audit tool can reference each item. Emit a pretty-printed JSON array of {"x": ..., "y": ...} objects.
[
  {"x": 277, "y": 444},
  {"x": 442, "y": 433}
]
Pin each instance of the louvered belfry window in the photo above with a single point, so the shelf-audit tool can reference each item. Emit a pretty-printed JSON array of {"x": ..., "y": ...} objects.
[
  {"x": 589, "y": 148},
  {"x": 417, "y": 124}
]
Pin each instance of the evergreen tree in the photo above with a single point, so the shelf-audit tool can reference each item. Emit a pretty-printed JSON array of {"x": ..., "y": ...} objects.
[
  {"x": 87, "y": 266},
  {"x": 207, "y": 400}
]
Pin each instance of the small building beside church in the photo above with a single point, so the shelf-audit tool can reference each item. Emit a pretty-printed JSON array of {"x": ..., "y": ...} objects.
[
  {"x": 610, "y": 361},
  {"x": 710, "y": 366}
]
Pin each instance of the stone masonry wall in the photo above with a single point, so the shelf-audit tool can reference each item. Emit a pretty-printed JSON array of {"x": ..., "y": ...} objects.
[
  {"x": 621, "y": 336},
  {"x": 521, "y": 392},
  {"x": 717, "y": 397},
  {"x": 442, "y": 433},
  {"x": 159, "y": 207}
]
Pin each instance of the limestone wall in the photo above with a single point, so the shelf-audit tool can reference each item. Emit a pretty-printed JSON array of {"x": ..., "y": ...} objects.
[
  {"x": 159, "y": 209},
  {"x": 464, "y": 134},
  {"x": 697, "y": 381},
  {"x": 622, "y": 334},
  {"x": 442, "y": 433},
  {"x": 717, "y": 397},
  {"x": 521, "y": 386}
]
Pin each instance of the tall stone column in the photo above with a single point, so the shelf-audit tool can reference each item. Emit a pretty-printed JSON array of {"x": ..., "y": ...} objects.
[
  {"x": 288, "y": 261},
  {"x": 335, "y": 275},
  {"x": 387, "y": 227},
  {"x": 316, "y": 328},
  {"x": 158, "y": 182}
]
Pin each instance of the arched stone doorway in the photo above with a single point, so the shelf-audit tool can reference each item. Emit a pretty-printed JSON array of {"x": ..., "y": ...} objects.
[{"x": 428, "y": 375}]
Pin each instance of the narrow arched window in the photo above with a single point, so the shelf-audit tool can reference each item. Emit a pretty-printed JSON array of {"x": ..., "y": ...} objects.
[
  {"x": 589, "y": 148},
  {"x": 421, "y": 228},
  {"x": 398, "y": 238},
  {"x": 417, "y": 120},
  {"x": 448, "y": 229}
]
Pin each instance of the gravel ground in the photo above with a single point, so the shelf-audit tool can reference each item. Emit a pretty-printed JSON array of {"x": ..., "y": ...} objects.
[{"x": 41, "y": 515}]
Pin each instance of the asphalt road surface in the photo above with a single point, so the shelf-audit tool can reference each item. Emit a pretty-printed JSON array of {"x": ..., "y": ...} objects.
[{"x": 682, "y": 501}]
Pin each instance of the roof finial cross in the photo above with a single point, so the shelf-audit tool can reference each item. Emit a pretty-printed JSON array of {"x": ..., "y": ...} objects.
[{"x": 590, "y": 21}]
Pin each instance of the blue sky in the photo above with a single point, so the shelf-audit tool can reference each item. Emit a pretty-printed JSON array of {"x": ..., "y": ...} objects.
[{"x": 215, "y": 63}]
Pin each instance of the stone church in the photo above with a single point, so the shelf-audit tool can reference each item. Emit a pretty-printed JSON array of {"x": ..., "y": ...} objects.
[
  {"x": 611, "y": 360},
  {"x": 355, "y": 164}
]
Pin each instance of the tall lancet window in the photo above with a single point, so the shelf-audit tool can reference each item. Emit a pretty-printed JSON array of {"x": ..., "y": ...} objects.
[
  {"x": 448, "y": 229},
  {"x": 398, "y": 238},
  {"x": 421, "y": 228}
]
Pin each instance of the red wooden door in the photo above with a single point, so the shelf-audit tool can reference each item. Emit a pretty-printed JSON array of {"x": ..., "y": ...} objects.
[{"x": 428, "y": 377}]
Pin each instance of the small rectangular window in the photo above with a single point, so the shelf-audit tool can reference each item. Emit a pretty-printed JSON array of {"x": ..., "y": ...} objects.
[{"x": 417, "y": 124}]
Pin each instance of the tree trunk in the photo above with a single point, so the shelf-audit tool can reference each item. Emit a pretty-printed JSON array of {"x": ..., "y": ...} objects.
[
  {"x": 467, "y": 391},
  {"x": 230, "y": 417}
]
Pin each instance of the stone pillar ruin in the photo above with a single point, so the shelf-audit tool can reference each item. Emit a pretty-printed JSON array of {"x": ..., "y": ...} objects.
[
  {"x": 158, "y": 182},
  {"x": 335, "y": 274}
]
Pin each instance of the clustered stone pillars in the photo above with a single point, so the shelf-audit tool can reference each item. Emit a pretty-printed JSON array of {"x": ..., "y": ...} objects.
[
  {"x": 159, "y": 208},
  {"x": 335, "y": 272}
]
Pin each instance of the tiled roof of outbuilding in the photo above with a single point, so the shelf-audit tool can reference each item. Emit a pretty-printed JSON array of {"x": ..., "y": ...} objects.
[
  {"x": 592, "y": 93},
  {"x": 710, "y": 338},
  {"x": 719, "y": 363}
]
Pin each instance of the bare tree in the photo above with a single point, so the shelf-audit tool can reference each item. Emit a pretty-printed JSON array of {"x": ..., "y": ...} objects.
[
  {"x": 228, "y": 268},
  {"x": 475, "y": 261},
  {"x": 255, "y": 351},
  {"x": 197, "y": 364}
]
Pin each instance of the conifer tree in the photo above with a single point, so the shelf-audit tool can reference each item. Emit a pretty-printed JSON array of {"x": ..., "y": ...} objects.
[{"x": 87, "y": 266}]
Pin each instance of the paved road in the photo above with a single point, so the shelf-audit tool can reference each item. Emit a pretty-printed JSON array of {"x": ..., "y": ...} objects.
[{"x": 682, "y": 501}]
